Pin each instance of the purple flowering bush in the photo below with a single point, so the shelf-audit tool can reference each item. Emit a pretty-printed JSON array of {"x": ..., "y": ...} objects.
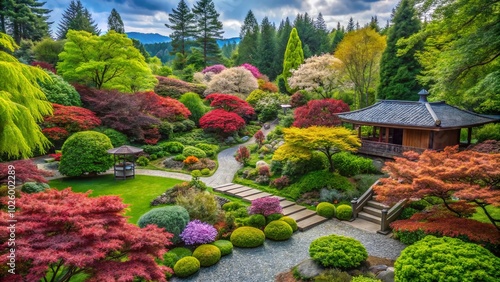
[
  {"x": 215, "y": 69},
  {"x": 266, "y": 206},
  {"x": 197, "y": 232},
  {"x": 253, "y": 69}
]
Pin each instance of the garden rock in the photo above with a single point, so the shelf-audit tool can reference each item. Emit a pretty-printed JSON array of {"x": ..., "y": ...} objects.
[
  {"x": 171, "y": 163},
  {"x": 386, "y": 275},
  {"x": 308, "y": 269},
  {"x": 229, "y": 140},
  {"x": 245, "y": 138},
  {"x": 261, "y": 163},
  {"x": 376, "y": 269}
]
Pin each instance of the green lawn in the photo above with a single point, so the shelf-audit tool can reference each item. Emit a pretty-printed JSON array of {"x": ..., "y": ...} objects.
[
  {"x": 481, "y": 216},
  {"x": 138, "y": 192}
]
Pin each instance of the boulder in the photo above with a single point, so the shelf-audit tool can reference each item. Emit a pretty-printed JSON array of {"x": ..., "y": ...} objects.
[
  {"x": 386, "y": 275},
  {"x": 261, "y": 163},
  {"x": 309, "y": 269},
  {"x": 245, "y": 138}
]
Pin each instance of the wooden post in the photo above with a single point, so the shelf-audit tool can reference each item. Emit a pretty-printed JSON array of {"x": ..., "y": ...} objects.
[
  {"x": 387, "y": 135},
  {"x": 380, "y": 135},
  {"x": 354, "y": 205},
  {"x": 359, "y": 131},
  {"x": 469, "y": 135}
]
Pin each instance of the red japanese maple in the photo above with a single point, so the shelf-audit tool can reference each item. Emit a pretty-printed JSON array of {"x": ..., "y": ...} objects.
[
  {"x": 25, "y": 170},
  {"x": 164, "y": 108},
  {"x": 242, "y": 155},
  {"x": 71, "y": 118},
  {"x": 259, "y": 138},
  {"x": 471, "y": 177},
  {"x": 222, "y": 122},
  {"x": 44, "y": 65},
  {"x": 320, "y": 113},
  {"x": 55, "y": 133},
  {"x": 232, "y": 104},
  {"x": 62, "y": 233}
]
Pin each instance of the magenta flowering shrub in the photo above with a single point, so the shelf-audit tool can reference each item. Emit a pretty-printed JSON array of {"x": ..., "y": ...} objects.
[
  {"x": 253, "y": 69},
  {"x": 215, "y": 69},
  {"x": 266, "y": 206},
  {"x": 197, "y": 232}
]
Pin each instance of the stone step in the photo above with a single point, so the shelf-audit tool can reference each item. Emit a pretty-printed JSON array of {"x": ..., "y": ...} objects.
[
  {"x": 301, "y": 215},
  {"x": 256, "y": 196},
  {"x": 310, "y": 222},
  {"x": 293, "y": 209},
  {"x": 235, "y": 191},
  {"x": 369, "y": 217},
  {"x": 286, "y": 203},
  {"x": 248, "y": 193},
  {"x": 377, "y": 205},
  {"x": 223, "y": 185},
  {"x": 373, "y": 211},
  {"x": 228, "y": 187}
]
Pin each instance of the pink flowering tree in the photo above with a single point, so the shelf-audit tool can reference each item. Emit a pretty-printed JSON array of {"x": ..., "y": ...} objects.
[{"x": 266, "y": 206}]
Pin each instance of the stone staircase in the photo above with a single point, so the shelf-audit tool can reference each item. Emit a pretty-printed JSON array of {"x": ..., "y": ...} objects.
[
  {"x": 305, "y": 218},
  {"x": 372, "y": 211}
]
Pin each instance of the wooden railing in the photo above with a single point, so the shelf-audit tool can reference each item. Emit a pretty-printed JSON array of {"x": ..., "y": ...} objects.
[
  {"x": 357, "y": 204},
  {"x": 389, "y": 216},
  {"x": 387, "y": 150}
]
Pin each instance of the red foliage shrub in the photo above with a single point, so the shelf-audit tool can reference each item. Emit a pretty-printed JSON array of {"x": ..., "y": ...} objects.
[
  {"x": 320, "y": 113},
  {"x": 44, "y": 65},
  {"x": 68, "y": 233},
  {"x": 264, "y": 170},
  {"x": 222, "y": 122},
  {"x": 232, "y": 104},
  {"x": 26, "y": 170},
  {"x": 280, "y": 182},
  {"x": 242, "y": 155},
  {"x": 265, "y": 206},
  {"x": 122, "y": 112},
  {"x": 71, "y": 118},
  {"x": 55, "y": 133},
  {"x": 450, "y": 226},
  {"x": 259, "y": 138},
  {"x": 298, "y": 100},
  {"x": 56, "y": 156},
  {"x": 164, "y": 108},
  {"x": 488, "y": 146}
]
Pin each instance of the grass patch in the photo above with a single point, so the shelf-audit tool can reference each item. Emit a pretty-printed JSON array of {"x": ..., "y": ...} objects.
[
  {"x": 137, "y": 192},
  {"x": 481, "y": 216}
]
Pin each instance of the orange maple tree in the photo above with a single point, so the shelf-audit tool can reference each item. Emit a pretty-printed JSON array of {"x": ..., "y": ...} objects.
[{"x": 463, "y": 180}]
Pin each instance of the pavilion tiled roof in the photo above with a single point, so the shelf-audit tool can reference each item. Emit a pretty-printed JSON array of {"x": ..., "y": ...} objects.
[{"x": 437, "y": 115}]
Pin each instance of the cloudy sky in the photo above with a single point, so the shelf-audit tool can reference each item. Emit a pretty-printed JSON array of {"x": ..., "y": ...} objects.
[{"x": 149, "y": 16}]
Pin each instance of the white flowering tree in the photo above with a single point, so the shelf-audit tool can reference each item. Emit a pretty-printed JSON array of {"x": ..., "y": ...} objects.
[
  {"x": 237, "y": 80},
  {"x": 319, "y": 74}
]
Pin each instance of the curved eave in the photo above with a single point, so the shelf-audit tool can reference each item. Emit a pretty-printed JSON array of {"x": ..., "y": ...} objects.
[{"x": 433, "y": 128}]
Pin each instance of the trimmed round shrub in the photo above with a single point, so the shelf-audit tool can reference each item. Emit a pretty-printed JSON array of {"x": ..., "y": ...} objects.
[
  {"x": 446, "y": 259},
  {"x": 344, "y": 212},
  {"x": 325, "y": 209},
  {"x": 278, "y": 230},
  {"x": 207, "y": 254},
  {"x": 172, "y": 147},
  {"x": 337, "y": 251},
  {"x": 205, "y": 171},
  {"x": 290, "y": 222},
  {"x": 186, "y": 266},
  {"x": 210, "y": 149},
  {"x": 247, "y": 237},
  {"x": 193, "y": 151},
  {"x": 225, "y": 246},
  {"x": 172, "y": 218},
  {"x": 85, "y": 153},
  {"x": 34, "y": 187},
  {"x": 142, "y": 161},
  {"x": 256, "y": 220},
  {"x": 181, "y": 252}
]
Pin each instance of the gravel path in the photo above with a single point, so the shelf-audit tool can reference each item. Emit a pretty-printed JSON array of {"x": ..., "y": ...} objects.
[{"x": 265, "y": 262}]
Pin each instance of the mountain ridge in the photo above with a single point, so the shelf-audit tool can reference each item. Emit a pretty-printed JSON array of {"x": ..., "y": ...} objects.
[{"x": 152, "y": 38}]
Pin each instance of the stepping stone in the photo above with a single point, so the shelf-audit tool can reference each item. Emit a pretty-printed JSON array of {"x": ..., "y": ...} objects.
[
  {"x": 238, "y": 190},
  {"x": 226, "y": 188},
  {"x": 293, "y": 209},
  {"x": 286, "y": 203},
  {"x": 301, "y": 215},
  {"x": 310, "y": 222},
  {"x": 248, "y": 193},
  {"x": 256, "y": 196},
  {"x": 223, "y": 185}
]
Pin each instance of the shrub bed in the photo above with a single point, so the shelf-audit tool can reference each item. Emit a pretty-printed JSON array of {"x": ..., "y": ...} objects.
[{"x": 290, "y": 222}]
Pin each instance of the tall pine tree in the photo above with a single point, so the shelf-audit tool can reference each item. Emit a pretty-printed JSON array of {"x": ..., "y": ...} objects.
[
  {"x": 24, "y": 20},
  {"x": 398, "y": 74},
  {"x": 115, "y": 22},
  {"x": 350, "y": 25},
  {"x": 209, "y": 29},
  {"x": 294, "y": 56},
  {"x": 267, "y": 49},
  {"x": 183, "y": 27},
  {"x": 282, "y": 40},
  {"x": 305, "y": 27},
  {"x": 249, "y": 34},
  {"x": 322, "y": 35},
  {"x": 76, "y": 17}
]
